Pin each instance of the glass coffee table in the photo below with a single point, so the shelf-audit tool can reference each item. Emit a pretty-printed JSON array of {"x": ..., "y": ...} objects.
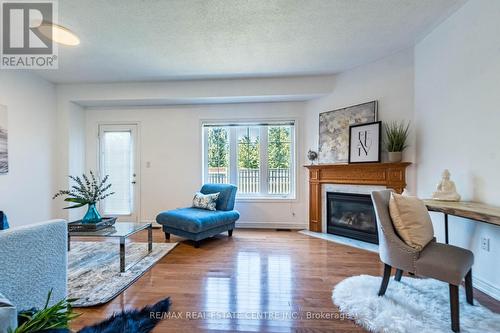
[{"x": 121, "y": 230}]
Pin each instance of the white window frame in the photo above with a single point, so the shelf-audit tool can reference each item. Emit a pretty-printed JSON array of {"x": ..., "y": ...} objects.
[{"x": 233, "y": 157}]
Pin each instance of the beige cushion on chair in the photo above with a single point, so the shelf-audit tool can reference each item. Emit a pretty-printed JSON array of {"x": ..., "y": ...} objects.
[{"x": 411, "y": 220}]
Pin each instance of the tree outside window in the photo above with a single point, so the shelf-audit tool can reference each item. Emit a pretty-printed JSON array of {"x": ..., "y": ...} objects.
[
  {"x": 257, "y": 158},
  {"x": 218, "y": 155}
]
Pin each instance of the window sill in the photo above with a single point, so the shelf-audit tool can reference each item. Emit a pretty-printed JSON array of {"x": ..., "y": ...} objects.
[{"x": 266, "y": 199}]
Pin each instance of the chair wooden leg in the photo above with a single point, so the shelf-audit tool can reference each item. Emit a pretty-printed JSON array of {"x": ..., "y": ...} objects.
[
  {"x": 167, "y": 236},
  {"x": 230, "y": 233},
  {"x": 469, "y": 294},
  {"x": 385, "y": 280},
  {"x": 454, "y": 307},
  {"x": 399, "y": 274}
]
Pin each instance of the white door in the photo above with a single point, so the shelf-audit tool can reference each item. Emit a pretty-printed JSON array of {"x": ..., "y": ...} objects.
[{"x": 119, "y": 158}]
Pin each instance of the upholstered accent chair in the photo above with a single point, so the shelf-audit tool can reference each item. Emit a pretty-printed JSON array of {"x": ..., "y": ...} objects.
[
  {"x": 33, "y": 261},
  {"x": 443, "y": 262},
  {"x": 197, "y": 224}
]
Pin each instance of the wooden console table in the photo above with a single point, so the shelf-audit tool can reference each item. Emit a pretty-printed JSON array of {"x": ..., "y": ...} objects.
[{"x": 470, "y": 210}]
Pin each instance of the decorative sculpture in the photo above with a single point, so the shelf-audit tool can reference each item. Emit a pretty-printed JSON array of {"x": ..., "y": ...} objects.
[
  {"x": 446, "y": 190},
  {"x": 312, "y": 156}
]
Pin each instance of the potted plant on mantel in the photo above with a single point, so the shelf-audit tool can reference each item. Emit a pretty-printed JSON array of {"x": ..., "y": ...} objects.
[
  {"x": 87, "y": 191},
  {"x": 396, "y": 133}
]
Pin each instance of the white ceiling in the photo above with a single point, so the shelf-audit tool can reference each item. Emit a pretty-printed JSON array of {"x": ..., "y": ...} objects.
[{"x": 142, "y": 40}]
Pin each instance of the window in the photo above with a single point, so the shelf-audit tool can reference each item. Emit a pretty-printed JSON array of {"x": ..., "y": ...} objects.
[
  {"x": 217, "y": 154},
  {"x": 117, "y": 163},
  {"x": 248, "y": 157},
  {"x": 256, "y": 157}
]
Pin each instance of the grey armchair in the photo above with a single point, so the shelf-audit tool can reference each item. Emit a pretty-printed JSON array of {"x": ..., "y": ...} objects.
[
  {"x": 443, "y": 262},
  {"x": 33, "y": 261}
]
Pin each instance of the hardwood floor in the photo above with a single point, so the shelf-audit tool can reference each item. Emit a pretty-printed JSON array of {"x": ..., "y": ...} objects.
[{"x": 254, "y": 273}]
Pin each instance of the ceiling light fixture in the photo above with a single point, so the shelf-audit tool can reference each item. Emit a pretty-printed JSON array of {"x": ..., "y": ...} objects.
[{"x": 59, "y": 34}]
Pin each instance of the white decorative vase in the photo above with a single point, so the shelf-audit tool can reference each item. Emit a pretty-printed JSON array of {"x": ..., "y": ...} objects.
[{"x": 395, "y": 156}]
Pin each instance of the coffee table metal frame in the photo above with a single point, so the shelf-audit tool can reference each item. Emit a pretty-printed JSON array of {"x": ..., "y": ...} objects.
[{"x": 121, "y": 230}]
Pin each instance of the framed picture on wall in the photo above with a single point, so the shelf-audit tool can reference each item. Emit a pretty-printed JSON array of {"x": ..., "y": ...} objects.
[
  {"x": 4, "y": 147},
  {"x": 364, "y": 142},
  {"x": 334, "y": 130}
]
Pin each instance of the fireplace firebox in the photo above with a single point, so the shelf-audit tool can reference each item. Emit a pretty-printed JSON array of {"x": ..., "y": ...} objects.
[{"x": 351, "y": 215}]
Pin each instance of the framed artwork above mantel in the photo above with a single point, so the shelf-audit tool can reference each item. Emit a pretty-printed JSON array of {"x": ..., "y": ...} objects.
[
  {"x": 334, "y": 130},
  {"x": 364, "y": 142}
]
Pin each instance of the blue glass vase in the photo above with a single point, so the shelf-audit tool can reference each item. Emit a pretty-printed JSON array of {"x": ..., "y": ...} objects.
[{"x": 92, "y": 215}]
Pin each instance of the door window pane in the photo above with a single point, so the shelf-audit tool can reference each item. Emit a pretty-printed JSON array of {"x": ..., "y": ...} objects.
[
  {"x": 218, "y": 155},
  {"x": 279, "y": 159},
  {"x": 117, "y": 163},
  {"x": 248, "y": 160}
]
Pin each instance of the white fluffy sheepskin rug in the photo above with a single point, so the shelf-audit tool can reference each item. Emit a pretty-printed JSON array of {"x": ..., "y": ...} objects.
[{"x": 412, "y": 305}]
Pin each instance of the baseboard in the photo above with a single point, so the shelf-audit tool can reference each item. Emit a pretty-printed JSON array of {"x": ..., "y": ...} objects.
[
  {"x": 271, "y": 225},
  {"x": 486, "y": 287},
  {"x": 256, "y": 225},
  {"x": 155, "y": 224}
]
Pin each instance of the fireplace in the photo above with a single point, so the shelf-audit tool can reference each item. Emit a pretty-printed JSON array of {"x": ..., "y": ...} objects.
[{"x": 351, "y": 215}]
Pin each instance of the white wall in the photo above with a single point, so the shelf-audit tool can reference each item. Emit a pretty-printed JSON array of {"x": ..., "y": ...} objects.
[
  {"x": 77, "y": 151},
  {"x": 71, "y": 98},
  {"x": 457, "y": 98},
  {"x": 170, "y": 139},
  {"x": 26, "y": 191},
  {"x": 390, "y": 81}
]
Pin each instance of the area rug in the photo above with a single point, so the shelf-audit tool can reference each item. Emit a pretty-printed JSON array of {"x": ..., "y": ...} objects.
[
  {"x": 412, "y": 305},
  {"x": 94, "y": 269}
]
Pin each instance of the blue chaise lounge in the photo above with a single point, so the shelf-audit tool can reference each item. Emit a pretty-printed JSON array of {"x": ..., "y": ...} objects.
[{"x": 197, "y": 224}]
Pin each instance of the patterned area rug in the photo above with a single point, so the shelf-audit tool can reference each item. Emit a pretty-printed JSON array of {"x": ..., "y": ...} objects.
[
  {"x": 412, "y": 305},
  {"x": 94, "y": 269}
]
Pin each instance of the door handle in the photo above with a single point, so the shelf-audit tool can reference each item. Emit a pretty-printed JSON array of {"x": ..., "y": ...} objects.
[{"x": 134, "y": 182}]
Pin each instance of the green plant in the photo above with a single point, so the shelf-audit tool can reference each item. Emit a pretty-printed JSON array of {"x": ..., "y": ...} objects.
[
  {"x": 56, "y": 316},
  {"x": 248, "y": 152},
  {"x": 218, "y": 147},
  {"x": 396, "y": 134},
  {"x": 86, "y": 191},
  {"x": 279, "y": 141}
]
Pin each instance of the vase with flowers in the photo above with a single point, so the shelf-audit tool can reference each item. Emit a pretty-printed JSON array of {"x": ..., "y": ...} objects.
[{"x": 87, "y": 190}]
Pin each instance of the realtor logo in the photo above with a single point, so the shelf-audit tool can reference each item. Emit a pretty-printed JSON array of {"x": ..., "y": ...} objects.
[{"x": 26, "y": 38}]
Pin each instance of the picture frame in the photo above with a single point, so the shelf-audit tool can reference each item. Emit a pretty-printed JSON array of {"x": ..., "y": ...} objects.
[
  {"x": 333, "y": 145},
  {"x": 4, "y": 144},
  {"x": 365, "y": 141}
]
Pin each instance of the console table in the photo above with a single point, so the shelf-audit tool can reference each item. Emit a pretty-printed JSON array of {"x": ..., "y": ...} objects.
[{"x": 470, "y": 210}]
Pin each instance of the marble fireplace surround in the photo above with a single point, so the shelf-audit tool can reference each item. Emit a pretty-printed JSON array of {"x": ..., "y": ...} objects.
[{"x": 340, "y": 188}]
